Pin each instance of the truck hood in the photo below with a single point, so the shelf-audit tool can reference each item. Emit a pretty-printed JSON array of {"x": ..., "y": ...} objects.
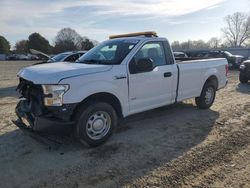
[
  {"x": 237, "y": 56},
  {"x": 52, "y": 73}
]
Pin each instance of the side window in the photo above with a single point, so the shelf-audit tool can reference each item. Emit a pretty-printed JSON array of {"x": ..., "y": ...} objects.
[
  {"x": 80, "y": 54},
  {"x": 153, "y": 51},
  {"x": 72, "y": 58}
]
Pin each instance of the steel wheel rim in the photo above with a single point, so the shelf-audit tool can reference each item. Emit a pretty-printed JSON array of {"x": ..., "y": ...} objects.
[
  {"x": 98, "y": 125},
  {"x": 209, "y": 95}
]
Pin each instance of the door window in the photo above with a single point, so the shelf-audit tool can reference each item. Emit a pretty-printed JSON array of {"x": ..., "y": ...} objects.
[
  {"x": 153, "y": 51},
  {"x": 72, "y": 58}
]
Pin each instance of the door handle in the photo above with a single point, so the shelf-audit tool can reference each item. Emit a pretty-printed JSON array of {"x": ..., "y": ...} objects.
[{"x": 167, "y": 74}]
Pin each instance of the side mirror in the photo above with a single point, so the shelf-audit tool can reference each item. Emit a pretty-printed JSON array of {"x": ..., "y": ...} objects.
[{"x": 144, "y": 65}]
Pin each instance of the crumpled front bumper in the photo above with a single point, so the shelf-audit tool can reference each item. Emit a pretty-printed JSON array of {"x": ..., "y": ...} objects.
[{"x": 47, "y": 122}]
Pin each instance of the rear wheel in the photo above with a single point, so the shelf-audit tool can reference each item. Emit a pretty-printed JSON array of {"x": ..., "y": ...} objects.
[
  {"x": 206, "y": 99},
  {"x": 95, "y": 123}
]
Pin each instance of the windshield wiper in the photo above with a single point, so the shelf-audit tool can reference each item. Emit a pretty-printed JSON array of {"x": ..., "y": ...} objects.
[{"x": 91, "y": 61}]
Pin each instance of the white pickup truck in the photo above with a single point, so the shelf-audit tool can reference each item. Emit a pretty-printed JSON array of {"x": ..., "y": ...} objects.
[{"x": 122, "y": 76}]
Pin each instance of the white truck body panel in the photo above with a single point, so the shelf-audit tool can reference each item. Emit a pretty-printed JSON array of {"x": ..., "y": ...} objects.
[
  {"x": 136, "y": 92},
  {"x": 86, "y": 85},
  {"x": 52, "y": 73},
  {"x": 143, "y": 88},
  {"x": 194, "y": 74}
]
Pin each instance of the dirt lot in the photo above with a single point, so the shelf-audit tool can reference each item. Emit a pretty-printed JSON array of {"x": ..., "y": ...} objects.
[{"x": 175, "y": 146}]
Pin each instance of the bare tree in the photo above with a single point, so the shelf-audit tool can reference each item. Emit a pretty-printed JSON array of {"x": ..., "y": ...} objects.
[
  {"x": 86, "y": 44},
  {"x": 21, "y": 46},
  {"x": 68, "y": 39},
  {"x": 199, "y": 44},
  {"x": 187, "y": 45},
  {"x": 237, "y": 30},
  {"x": 190, "y": 44},
  {"x": 214, "y": 42},
  {"x": 176, "y": 45}
]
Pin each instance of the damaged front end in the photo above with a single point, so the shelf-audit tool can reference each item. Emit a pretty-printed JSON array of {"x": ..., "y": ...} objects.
[{"x": 33, "y": 114}]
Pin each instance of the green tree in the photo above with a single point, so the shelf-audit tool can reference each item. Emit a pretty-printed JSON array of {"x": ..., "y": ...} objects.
[
  {"x": 38, "y": 42},
  {"x": 4, "y": 45},
  {"x": 21, "y": 47}
]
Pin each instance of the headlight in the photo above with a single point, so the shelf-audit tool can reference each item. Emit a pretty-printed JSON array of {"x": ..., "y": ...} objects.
[
  {"x": 54, "y": 94},
  {"x": 242, "y": 66}
]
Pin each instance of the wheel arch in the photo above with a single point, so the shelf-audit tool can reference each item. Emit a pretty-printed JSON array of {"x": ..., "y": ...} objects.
[
  {"x": 212, "y": 79},
  {"x": 101, "y": 97}
]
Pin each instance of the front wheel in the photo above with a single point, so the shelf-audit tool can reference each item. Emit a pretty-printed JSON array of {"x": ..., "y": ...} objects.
[
  {"x": 206, "y": 99},
  {"x": 95, "y": 123}
]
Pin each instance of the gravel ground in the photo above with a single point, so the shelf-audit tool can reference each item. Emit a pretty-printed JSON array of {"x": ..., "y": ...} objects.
[{"x": 174, "y": 146}]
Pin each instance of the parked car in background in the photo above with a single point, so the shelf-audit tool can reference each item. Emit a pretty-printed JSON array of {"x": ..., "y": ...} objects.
[
  {"x": 11, "y": 57},
  {"x": 65, "y": 56},
  {"x": 234, "y": 61},
  {"x": 17, "y": 57},
  {"x": 180, "y": 54},
  {"x": 244, "y": 75},
  {"x": 32, "y": 57},
  {"x": 22, "y": 57}
]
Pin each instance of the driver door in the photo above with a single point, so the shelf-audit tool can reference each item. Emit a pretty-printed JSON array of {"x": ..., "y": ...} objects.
[{"x": 150, "y": 89}]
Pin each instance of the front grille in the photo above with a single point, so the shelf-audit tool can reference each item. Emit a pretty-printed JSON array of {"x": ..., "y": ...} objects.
[
  {"x": 33, "y": 106},
  {"x": 33, "y": 95},
  {"x": 27, "y": 89}
]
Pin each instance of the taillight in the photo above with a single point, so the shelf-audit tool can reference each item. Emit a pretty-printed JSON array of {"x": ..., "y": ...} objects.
[{"x": 227, "y": 69}]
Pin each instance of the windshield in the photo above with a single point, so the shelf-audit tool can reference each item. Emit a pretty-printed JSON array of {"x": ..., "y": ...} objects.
[
  {"x": 59, "y": 57},
  {"x": 110, "y": 52}
]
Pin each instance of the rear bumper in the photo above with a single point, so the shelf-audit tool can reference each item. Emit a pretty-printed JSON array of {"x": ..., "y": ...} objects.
[{"x": 49, "y": 122}]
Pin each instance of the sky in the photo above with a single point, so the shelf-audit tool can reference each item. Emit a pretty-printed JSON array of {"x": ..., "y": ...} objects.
[{"x": 97, "y": 19}]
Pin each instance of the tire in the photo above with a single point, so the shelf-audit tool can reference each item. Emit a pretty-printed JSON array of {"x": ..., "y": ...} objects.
[
  {"x": 206, "y": 99},
  {"x": 95, "y": 123},
  {"x": 243, "y": 79}
]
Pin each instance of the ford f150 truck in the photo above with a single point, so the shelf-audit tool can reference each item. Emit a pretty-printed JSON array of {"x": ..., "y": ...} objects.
[{"x": 122, "y": 76}]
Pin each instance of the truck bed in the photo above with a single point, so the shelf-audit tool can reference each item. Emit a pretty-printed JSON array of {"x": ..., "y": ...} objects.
[
  {"x": 192, "y": 59},
  {"x": 192, "y": 71}
]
